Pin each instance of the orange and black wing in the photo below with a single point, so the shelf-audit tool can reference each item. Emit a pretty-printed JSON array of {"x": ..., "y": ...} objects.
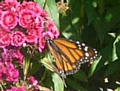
[{"x": 70, "y": 55}]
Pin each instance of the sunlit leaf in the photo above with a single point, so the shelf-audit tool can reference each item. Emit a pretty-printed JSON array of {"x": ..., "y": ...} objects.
[
  {"x": 118, "y": 89},
  {"x": 58, "y": 82}
]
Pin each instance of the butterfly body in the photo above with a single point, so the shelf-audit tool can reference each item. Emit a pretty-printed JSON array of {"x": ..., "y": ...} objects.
[{"x": 69, "y": 55}]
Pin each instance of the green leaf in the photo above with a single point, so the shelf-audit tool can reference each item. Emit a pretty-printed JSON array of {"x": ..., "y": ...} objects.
[
  {"x": 102, "y": 26},
  {"x": 109, "y": 54},
  {"x": 41, "y": 2},
  {"x": 116, "y": 55},
  {"x": 52, "y": 9},
  {"x": 58, "y": 82},
  {"x": 117, "y": 44},
  {"x": 118, "y": 89},
  {"x": 110, "y": 70},
  {"x": 105, "y": 56},
  {"x": 47, "y": 63},
  {"x": 93, "y": 67},
  {"x": 89, "y": 7},
  {"x": 101, "y": 6},
  {"x": 75, "y": 85},
  {"x": 81, "y": 76},
  {"x": 69, "y": 25},
  {"x": 26, "y": 66},
  {"x": 34, "y": 67}
]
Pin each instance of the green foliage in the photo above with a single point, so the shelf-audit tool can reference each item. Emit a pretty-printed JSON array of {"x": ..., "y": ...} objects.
[{"x": 97, "y": 23}]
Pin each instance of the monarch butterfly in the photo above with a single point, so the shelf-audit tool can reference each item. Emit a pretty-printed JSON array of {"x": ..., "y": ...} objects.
[{"x": 69, "y": 55}]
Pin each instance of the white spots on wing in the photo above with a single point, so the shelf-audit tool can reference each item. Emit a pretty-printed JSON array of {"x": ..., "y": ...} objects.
[
  {"x": 77, "y": 42},
  {"x": 86, "y": 48},
  {"x": 87, "y": 54},
  {"x": 94, "y": 57},
  {"x": 96, "y": 52},
  {"x": 86, "y": 57},
  {"x": 91, "y": 58},
  {"x": 83, "y": 44},
  {"x": 79, "y": 46}
]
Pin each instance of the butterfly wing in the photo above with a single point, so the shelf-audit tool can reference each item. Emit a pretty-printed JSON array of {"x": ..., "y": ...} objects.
[{"x": 70, "y": 55}]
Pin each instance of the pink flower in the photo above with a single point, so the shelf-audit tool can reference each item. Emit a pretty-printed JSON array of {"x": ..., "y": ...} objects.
[
  {"x": 9, "y": 5},
  {"x": 12, "y": 75},
  {"x": 26, "y": 18},
  {"x": 31, "y": 39},
  {"x": 8, "y": 72},
  {"x": 44, "y": 14},
  {"x": 34, "y": 6},
  {"x": 13, "y": 2},
  {"x": 8, "y": 20},
  {"x": 11, "y": 54},
  {"x": 11, "y": 72},
  {"x": 16, "y": 89},
  {"x": 18, "y": 38},
  {"x": 48, "y": 34},
  {"x": 7, "y": 56},
  {"x": 5, "y": 40},
  {"x": 35, "y": 31},
  {"x": 39, "y": 22},
  {"x": 18, "y": 55},
  {"x": 4, "y": 31},
  {"x": 33, "y": 82},
  {"x": 41, "y": 44},
  {"x": 53, "y": 29}
]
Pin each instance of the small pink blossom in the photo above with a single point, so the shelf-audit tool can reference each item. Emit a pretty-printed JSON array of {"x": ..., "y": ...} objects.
[
  {"x": 44, "y": 14},
  {"x": 11, "y": 72},
  {"x": 32, "y": 30},
  {"x": 18, "y": 55},
  {"x": 26, "y": 18},
  {"x": 12, "y": 75},
  {"x": 11, "y": 54},
  {"x": 8, "y": 73},
  {"x": 18, "y": 38},
  {"x": 31, "y": 39},
  {"x": 39, "y": 22},
  {"x": 34, "y": 6},
  {"x": 13, "y": 2},
  {"x": 53, "y": 29},
  {"x": 8, "y": 20},
  {"x": 33, "y": 82},
  {"x": 42, "y": 43},
  {"x": 5, "y": 40},
  {"x": 16, "y": 89},
  {"x": 9, "y": 5},
  {"x": 4, "y": 31},
  {"x": 7, "y": 55},
  {"x": 48, "y": 34}
]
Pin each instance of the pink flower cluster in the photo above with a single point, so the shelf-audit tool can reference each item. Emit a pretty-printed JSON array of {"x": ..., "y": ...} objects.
[
  {"x": 21, "y": 25},
  {"x": 32, "y": 86},
  {"x": 8, "y": 72},
  {"x": 16, "y": 89},
  {"x": 25, "y": 23}
]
